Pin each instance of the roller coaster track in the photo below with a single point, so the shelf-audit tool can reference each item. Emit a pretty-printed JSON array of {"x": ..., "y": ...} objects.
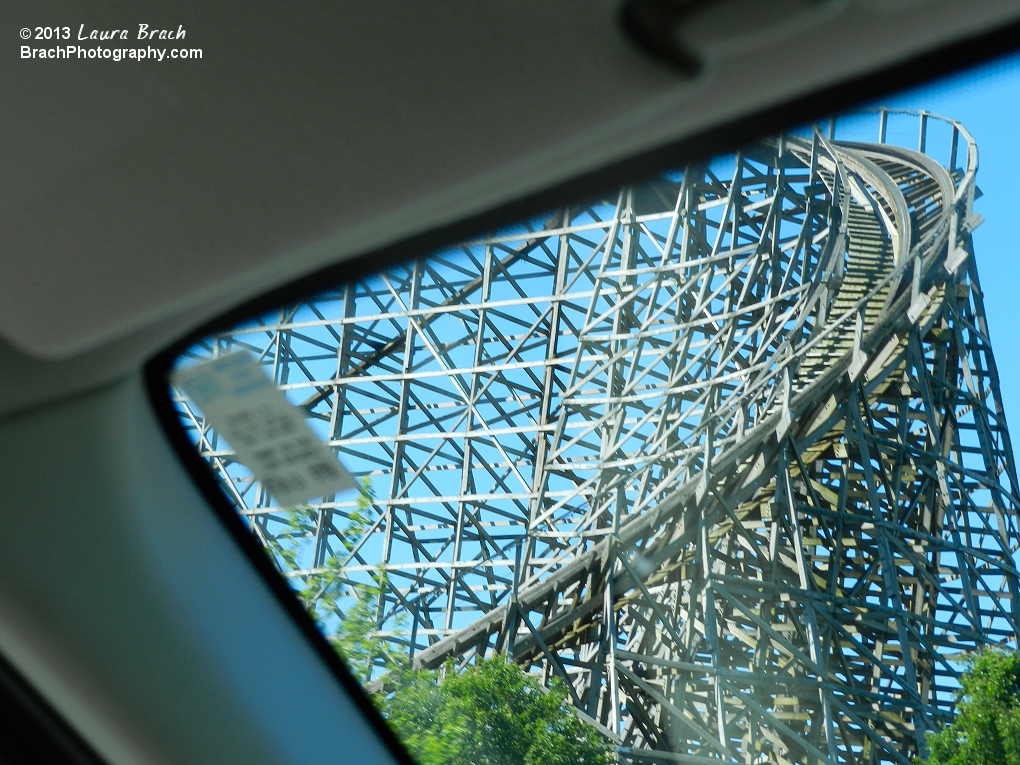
[{"x": 725, "y": 455}]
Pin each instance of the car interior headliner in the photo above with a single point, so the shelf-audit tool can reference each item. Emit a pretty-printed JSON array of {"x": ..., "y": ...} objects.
[{"x": 140, "y": 199}]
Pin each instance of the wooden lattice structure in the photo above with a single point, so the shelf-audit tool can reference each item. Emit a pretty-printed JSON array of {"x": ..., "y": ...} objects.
[{"x": 724, "y": 452}]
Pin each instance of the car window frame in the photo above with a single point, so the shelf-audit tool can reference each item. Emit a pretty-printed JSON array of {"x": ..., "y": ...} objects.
[{"x": 940, "y": 63}]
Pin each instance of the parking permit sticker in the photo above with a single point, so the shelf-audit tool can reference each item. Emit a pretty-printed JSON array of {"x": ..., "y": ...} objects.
[{"x": 268, "y": 433}]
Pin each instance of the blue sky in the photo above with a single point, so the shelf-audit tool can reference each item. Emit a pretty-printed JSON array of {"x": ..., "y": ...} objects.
[{"x": 987, "y": 102}]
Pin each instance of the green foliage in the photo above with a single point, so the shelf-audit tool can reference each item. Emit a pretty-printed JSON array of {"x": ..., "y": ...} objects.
[
  {"x": 325, "y": 592},
  {"x": 987, "y": 726},
  {"x": 354, "y": 640},
  {"x": 489, "y": 714},
  {"x": 359, "y": 521}
]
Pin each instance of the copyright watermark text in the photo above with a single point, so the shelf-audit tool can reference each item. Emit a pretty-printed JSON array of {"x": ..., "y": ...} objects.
[{"x": 88, "y": 43}]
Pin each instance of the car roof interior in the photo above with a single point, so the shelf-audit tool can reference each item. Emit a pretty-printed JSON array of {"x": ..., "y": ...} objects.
[{"x": 142, "y": 200}]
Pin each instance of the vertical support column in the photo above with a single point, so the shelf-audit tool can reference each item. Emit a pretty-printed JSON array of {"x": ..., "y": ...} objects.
[
  {"x": 952, "y": 149},
  {"x": 467, "y": 455},
  {"x": 324, "y": 523},
  {"x": 610, "y": 492},
  {"x": 397, "y": 464},
  {"x": 539, "y": 478}
]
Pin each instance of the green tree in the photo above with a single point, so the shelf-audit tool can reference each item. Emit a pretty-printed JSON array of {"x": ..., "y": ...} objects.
[
  {"x": 987, "y": 726},
  {"x": 489, "y": 714},
  {"x": 353, "y": 637},
  {"x": 327, "y": 592}
]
